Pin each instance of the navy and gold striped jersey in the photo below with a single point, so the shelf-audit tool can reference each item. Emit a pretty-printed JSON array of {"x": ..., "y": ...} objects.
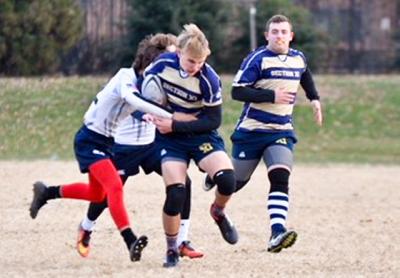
[
  {"x": 267, "y": 70},
  {"x": 187, "y": 94}
]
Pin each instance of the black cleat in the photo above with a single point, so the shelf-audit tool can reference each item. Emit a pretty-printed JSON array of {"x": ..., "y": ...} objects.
[
  {"x": 172, "y": 258},
  {"x": 39, "y": 198},
  {"x": 137, "y": 247},
  {"x": 278, "y": 241},
  {"x": 225, "y": 225},
  {"x": 208, "y": 183}
]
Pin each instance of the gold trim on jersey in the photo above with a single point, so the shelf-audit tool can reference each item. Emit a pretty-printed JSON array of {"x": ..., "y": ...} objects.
[
  {"x": 277, "y": 109},
  {"x": 184, "y": 103},
  {"x": 251, "y": 124},
  {"x": 190, "y": 83},
  {"x": 273, "y": 84},
  {"x": 276, "y": 62}
]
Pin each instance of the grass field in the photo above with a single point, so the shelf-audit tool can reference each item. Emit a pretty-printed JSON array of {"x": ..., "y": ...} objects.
[{"x": 39, "y": 117}]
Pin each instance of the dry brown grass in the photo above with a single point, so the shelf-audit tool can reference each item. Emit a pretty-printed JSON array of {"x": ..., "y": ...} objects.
[{"x": 347, "y": 217}]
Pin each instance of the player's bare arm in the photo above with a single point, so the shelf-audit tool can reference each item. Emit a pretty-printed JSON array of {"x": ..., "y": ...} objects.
[
  {"x": 316, "y": 105},
  {"x": 183, "y": 117}
]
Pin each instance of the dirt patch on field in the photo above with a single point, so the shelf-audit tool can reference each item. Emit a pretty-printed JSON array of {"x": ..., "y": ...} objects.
[{"x": 347, "y": 218}]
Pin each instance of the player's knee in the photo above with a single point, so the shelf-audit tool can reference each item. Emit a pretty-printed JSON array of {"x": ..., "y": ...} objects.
[
  {"x": 175, "y": 199},
  {"x": 226, "y": 182},
  {"x": 97, "y": 194},
  {"x": 98, "y": 197},
  {"x": 279, "y": 179}
]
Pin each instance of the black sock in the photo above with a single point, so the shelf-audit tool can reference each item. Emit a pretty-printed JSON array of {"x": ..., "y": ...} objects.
[
  {"x": 53, "y": 192},
  {"x": 95, "y": 209},
  {"x": 129, "y": 237}
]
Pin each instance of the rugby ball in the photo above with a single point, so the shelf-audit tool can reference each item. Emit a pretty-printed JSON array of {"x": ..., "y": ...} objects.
[{"x": 152, "y": 89}]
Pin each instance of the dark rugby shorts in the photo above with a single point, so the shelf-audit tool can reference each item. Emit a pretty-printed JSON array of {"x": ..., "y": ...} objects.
[
  {"x": 253, "y": 144},
  {"x": 90, "y": 147},
  {"x": 128, "y": 158},
  {"x": 185, "y": 147}
]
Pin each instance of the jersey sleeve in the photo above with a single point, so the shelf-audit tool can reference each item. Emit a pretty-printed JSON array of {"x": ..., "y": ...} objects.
[
  {"x": 211, "y": 87},
  {"x": 249, "y": 72},
  {"x": 157, "y": 65},
  {"x": 130, "y": 93}
]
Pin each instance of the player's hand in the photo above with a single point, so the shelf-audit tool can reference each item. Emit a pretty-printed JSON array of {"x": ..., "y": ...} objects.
[
  {"x": 317, "y": 111},
  {"x": 163, "y": 125},
  {"x": 148, "y": 118},
  {"x": 282, "y": 96},
  {"x": 183, "y": 117}
]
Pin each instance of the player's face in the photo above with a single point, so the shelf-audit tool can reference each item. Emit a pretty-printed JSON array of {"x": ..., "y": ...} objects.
[
  {"x": 189, "y": 63},
  {"x": 279, "y": 36}
]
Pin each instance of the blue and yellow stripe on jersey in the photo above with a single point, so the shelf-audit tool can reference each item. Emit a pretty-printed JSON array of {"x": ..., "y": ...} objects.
[
  {"x": 267, "y": 70},
  {"x": 188, "y": 94}
]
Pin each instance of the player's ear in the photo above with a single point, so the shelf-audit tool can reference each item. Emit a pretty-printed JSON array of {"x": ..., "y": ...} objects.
[
  {"x": 171, "y": 48},
  {"x": 292, "y": 35}
]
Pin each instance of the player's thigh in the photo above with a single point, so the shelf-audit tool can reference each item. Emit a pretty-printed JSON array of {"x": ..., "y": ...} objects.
[
  {"x": 174, "y": 171},
  {"x": 278, "y": 156},
  {"x": 244, "y": 168},
  {"x": 215, "y": 161}
]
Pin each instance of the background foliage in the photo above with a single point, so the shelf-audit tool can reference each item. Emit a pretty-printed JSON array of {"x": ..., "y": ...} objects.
[
  {"x": 149, "y": 17},
  {"x": 41, "y": 37},
  {"x": 34, "y": 35},
  {"x": 225, "y": 25}
]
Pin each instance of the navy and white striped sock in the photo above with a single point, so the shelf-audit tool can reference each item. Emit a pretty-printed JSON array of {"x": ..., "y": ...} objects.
[{"x": 278, "y": 205}]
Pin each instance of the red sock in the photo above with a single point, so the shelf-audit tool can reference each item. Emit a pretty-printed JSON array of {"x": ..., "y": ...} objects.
[
  {"x": 104, "y": 173},
  {"x": 93, "y": 191},
  {"x": 83, "y": 191}
]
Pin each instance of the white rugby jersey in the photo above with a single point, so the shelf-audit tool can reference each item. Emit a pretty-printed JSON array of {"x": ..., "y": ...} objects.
[
  {"x": 267, "y": 70},
  {"x": 116, "y": 101},
  {"x": 132, "y": 131},
  {"x": 188, "y": 94}
]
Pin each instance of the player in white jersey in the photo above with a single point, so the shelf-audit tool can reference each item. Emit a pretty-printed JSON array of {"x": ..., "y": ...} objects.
[
  {"x": 92, "y": 145},
  {"x": 135, "y": 147},
  {"x": 267, "y": 83},
  {"x": 191, "y": 87}
]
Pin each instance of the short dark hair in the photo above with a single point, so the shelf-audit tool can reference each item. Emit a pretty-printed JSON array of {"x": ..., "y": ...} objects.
[
  {"x": 150, "y": 48},
  {"x": 140, "y": 61},
  {"x": 278, "y": 18}
]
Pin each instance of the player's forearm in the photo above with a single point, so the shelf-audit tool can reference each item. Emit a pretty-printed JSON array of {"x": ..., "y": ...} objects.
[
  {"x": 248, "y": 94},
  {"x": 147, "y": 106},
  {"x": 209, "y": 120},
  {"x": 307, "y": 83}
]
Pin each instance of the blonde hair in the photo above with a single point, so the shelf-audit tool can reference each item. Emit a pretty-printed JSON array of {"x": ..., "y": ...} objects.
[{"x": 193, "y": 40}]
